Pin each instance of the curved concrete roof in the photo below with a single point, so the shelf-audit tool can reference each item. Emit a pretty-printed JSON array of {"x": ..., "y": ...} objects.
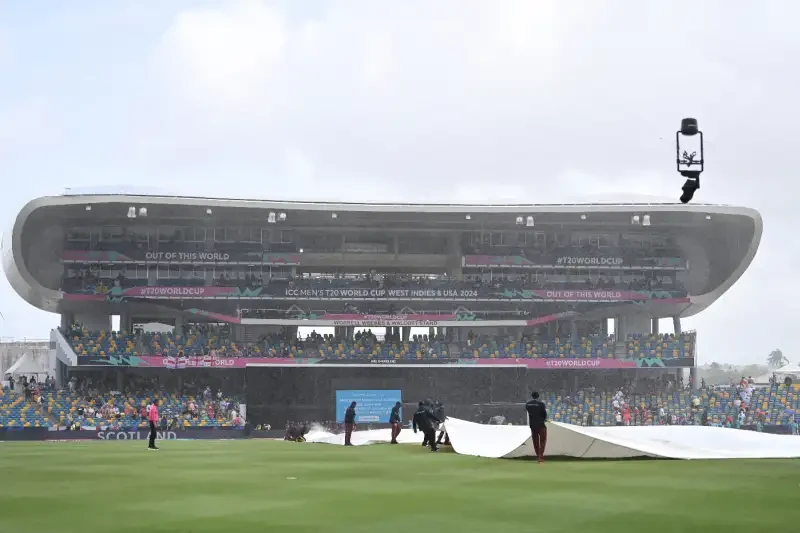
[{"x": 31, "y": 291}]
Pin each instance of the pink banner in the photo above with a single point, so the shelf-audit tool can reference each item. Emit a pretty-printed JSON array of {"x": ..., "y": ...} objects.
[
  {"x": 433, "y": 319},
  {"x": 163, "y": 361},
  {"x": 166, "y": 292},
  {"x": 593, "y": 295},
  {"x": 551, "y": 318},
  {"x": 390, "y": 318},
  {"x": 84, "y": 297},
  {"x": 180, "y": 292},
  {"x": 554, "y": 364},
  {"x": 216, "y": 316}
]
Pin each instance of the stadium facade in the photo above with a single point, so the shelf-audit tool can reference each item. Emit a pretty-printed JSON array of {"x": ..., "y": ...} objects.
[{"x": 521, "y": 287}]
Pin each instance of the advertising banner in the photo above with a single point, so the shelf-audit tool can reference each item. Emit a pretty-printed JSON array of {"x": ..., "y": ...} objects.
[
  {"x": 568, "y": 260},
  {"x": 532, "y": 364},
  {"x": 167, "y": 256},
  {"x": 483, "y": 293},
  {"x": 276, "y": 291},
  {"x": 391, "y": 362},
  {"x": 171, "y": 362},
  {"x": 143, "y": 434},
  {"x": 373, "y": 406},
  {"x": 593, "y": 295},
  {"x": 584, "y": 364},
  {"x": 191, "y": 361},
  {"x": 166, "y": 293},
  {"x": 415, "y": 320},
  {"x": 357, "y": 293}
]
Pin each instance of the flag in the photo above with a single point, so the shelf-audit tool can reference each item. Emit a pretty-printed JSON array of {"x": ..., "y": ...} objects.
[
  {"x": 171, "y": 362},
  {"x": 182, "y": 360}
]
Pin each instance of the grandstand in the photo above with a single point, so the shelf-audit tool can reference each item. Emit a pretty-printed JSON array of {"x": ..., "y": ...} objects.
[{"x": 471, "y": 304}]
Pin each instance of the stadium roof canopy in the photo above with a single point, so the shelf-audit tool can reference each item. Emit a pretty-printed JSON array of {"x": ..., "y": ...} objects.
[{"x": 726, "y": 238}]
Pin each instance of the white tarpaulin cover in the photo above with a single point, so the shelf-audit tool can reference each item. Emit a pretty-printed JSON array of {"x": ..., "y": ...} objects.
[
  {"x": 669, "y": 442},
  {"x": 363, "y": 438}
]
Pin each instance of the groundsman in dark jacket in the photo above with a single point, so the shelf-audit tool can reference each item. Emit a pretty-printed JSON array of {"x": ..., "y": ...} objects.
[{"x": 425, "y": 420}]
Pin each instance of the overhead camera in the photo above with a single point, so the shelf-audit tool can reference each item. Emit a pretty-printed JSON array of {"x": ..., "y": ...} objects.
[{"x": 689, "y": 152}]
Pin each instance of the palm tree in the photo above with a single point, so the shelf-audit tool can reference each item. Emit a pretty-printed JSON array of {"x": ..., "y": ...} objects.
[{"x": 775, "y": 359}]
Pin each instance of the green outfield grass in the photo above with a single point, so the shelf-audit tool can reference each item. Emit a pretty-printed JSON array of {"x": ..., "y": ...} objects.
[{"x": 251, "y": 486}]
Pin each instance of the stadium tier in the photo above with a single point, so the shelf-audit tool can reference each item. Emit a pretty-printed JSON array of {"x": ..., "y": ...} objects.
[
  {"x": 67, "y": 408},
  {"x": 774, "y": 405},
  {"x": 300, "y": 301},
  {"x": 104, "y": 344}
]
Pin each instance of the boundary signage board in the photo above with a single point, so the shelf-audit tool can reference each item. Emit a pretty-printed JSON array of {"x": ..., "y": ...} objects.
[
  {"x": 50, "y": 434},
  {"x": 372, "y": 406},
  {"x": 542, "y": 363}
]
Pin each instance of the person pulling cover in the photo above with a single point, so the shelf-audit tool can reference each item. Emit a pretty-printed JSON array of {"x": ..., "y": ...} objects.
[
  {"x": 296, "y": 432},
  {"x": 537, "y": 417},
  {"x": 440, "y": 414},
  {"x": 428, "y": 405},
  {"x": 349, "y": 423},
  {"x": 394, "y": 420},
  {"x": 424, "y": 419}
]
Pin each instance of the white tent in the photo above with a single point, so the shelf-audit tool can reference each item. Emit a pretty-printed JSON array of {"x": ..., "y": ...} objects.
[
  {"x": 792, "y": 369},
  {"x": 25, "y": 365}
]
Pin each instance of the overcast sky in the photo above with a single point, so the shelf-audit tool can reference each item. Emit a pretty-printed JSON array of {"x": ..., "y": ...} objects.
[{"x": 453, "y": 100}]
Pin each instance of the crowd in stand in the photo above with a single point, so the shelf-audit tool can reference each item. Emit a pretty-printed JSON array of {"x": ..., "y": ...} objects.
[
  {"x": 23, "y": 401},
  {"x": 648, "y": 402},
  {"x": 199, "y": 340},
  {"x": 88, "y": 402},
  {"x": 93, "y": 403},
  {"x": 742, "y": 404}
]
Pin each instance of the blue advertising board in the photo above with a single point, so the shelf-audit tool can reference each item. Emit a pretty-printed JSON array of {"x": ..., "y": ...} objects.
[{"x": 374, "y": 406}]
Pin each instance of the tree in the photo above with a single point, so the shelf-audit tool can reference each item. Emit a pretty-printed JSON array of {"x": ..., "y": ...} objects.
[{"x": 775, "y": 359}]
